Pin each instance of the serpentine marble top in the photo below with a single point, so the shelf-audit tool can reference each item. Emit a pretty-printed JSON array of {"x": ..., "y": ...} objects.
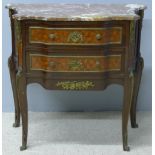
[{"x": 76, "y": 12}]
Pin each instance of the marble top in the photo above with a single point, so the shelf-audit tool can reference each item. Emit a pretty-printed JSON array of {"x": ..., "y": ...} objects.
[{"x": 76, "y": 12}]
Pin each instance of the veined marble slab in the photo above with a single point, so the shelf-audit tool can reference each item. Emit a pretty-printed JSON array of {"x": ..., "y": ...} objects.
[{"x": 76, "y": 12}]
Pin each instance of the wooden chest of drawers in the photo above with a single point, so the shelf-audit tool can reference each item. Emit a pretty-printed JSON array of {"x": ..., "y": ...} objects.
[{"x": 87, "y": 47}]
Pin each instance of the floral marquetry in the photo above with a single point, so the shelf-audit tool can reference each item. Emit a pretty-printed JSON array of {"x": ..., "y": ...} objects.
[
  {"x": 75, "y": 63},
  {"x": 77, "y": 36}
]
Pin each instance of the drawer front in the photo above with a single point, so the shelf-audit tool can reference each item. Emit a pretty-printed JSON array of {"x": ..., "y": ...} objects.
[
  {"x": 75, "y": 63},
  {"x": 75, "y": 36}
]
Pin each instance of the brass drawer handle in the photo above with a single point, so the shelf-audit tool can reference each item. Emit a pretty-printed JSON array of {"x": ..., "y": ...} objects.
[
  {"x": 98, "y": 36},
  {"x": 52, "y": 36}
]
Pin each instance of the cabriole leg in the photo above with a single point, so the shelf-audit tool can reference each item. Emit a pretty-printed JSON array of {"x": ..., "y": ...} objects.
[
  {"x": 21, "y": 83},
  {"x": 137, "y": 80},
  {"x": 12, "y": 70},
  {"x": 128, "y": 90}
]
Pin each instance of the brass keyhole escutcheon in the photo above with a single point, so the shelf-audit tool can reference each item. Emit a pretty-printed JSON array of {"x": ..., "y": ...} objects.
[{"x": 75, "y": 37}]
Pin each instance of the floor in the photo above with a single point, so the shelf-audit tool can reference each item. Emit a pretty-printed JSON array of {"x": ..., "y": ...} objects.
[{"x": 77, "y": 134}]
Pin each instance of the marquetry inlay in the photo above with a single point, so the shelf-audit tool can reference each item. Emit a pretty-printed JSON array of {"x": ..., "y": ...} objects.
[
  {"x": 75, "y": 63},
  {"x": 78, "y": 36}
]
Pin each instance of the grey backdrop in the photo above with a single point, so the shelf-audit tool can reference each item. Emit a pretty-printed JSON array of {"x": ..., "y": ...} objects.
[{"x": 40, "y": 99}]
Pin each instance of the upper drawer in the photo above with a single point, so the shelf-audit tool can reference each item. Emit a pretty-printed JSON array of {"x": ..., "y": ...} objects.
[{"x": 75, "y": 36}]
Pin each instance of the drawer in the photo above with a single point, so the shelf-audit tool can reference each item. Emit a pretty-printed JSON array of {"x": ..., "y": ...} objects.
[
  {"x": 40, "y": 62},
  {"x": 75, "y": 36}
]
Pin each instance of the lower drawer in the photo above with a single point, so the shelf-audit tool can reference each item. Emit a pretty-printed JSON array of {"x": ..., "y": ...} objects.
[{"x": 39, "y": 62}]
